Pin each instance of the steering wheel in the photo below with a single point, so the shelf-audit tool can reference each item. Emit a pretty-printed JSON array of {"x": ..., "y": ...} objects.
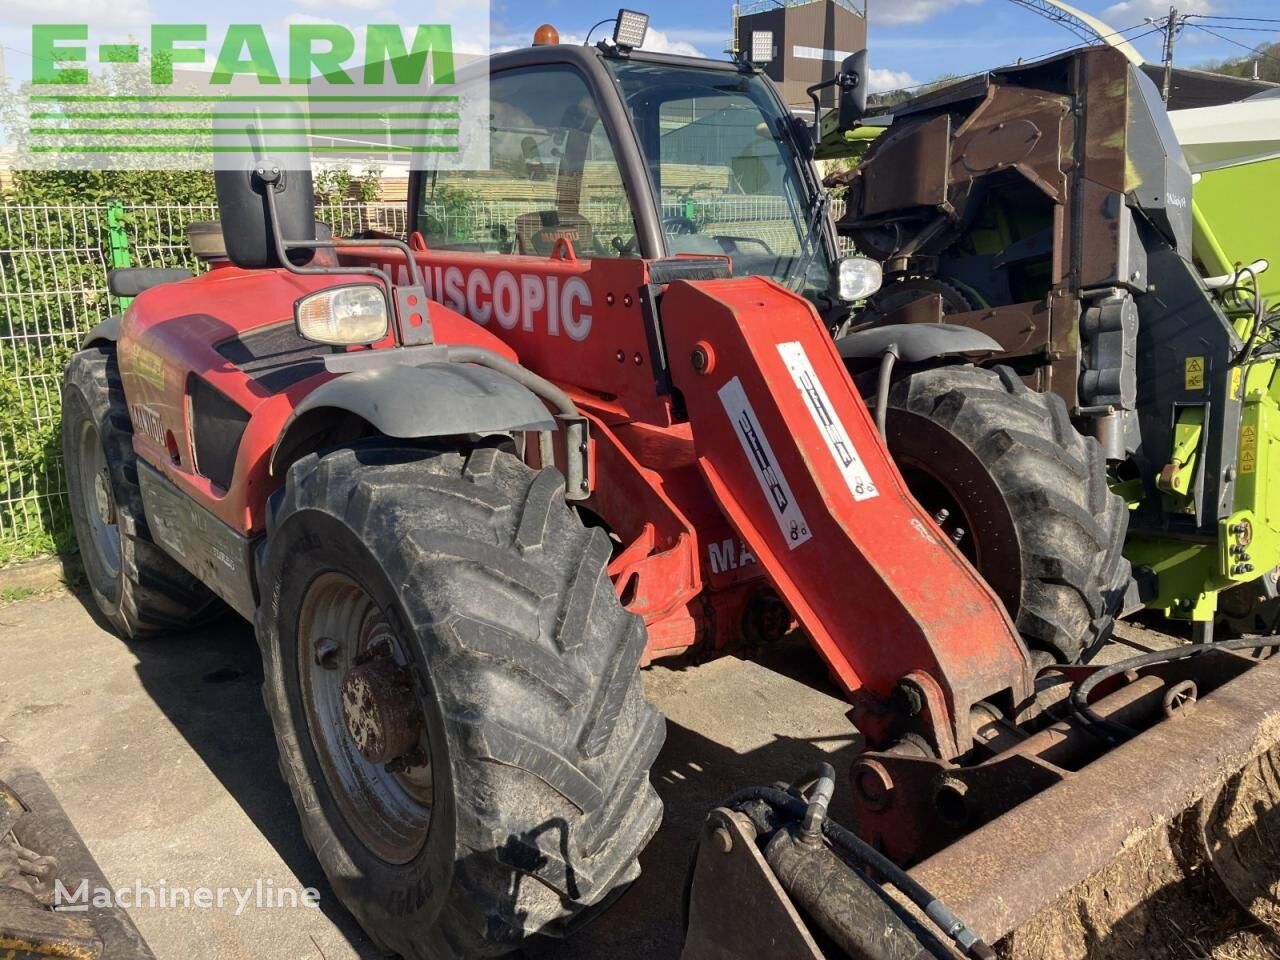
[{"x": 679, "y": 226}]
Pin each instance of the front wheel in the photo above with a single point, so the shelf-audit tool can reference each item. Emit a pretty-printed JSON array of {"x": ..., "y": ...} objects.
[
  {"x": 455, "y": 693},
  {"x": 1022, "y": 493}
]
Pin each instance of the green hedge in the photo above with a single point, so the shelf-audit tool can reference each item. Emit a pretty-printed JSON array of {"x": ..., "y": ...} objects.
[{"x": 55, "y": 250}]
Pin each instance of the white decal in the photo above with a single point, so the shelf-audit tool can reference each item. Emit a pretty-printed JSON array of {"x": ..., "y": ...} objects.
[
  {"x": 454, "y": 298},
  {"x": 729, "y": 555},
  {"x": 760, "y": 455},
  {"x": 577, "y": 323},
  {"x": 506, "y": 300},
  {"x": 533, "y": 296},
  {"x": 833, "y": 431},
  {"x": 147, "y": 421},
  {"x": 515, "y": 300},
  {"x": 477, "y": 285}
]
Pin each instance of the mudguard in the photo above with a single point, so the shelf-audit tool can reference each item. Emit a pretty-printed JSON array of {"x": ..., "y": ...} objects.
[
  {"x": 410, "y": 402},
  {"x": 108, "y": 331},
  {"x": 916, "y": 342}
]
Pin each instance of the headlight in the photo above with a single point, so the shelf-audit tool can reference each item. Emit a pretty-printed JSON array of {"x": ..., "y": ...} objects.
[
  {"x": 352, "y": 314},
  {"x": 859, "y": 278}
]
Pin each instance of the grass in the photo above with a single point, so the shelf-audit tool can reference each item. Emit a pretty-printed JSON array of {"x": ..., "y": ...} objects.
[{"x": 14, "y": 594}]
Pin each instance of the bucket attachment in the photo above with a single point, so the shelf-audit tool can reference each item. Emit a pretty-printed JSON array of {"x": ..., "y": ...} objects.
[
  {"x": 1061, "y": 842},
  {"x": 42, "y": 859}
]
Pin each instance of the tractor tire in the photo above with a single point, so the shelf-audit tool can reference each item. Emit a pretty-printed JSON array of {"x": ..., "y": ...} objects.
[
  {"x": 518, "y": 797},
  {"x": 1025, "y": 497},
  {"x": 139, "y": 588}
]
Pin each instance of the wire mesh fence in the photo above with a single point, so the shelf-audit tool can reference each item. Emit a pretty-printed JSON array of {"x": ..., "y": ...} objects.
[{"x": 53, "y": 289}]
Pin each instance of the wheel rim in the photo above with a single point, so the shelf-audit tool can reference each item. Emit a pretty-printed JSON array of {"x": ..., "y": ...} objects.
[
  {"x": 362, "y": 705},
  {"x": 98, "y": 499},
  {"x": 951, "y": 484}
]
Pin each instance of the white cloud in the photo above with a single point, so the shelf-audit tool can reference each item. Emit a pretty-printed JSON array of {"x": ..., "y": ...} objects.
[
  {"x": 342, "y": 4},
  {"x": 1127, "y": 13},
  {"x": 123, "y": 15},
  {"x": 897, "y": 12},
  {"x": 659, "y": 42},
  {"x": 655, "y": 40},
  {"x": 878, "y": 80}
]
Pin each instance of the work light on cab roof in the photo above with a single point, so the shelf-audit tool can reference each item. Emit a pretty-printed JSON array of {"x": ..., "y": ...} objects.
[{"x": 630, "y": 29}]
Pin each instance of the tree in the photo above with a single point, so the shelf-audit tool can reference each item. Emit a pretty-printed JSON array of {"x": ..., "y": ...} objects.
[{"x": 1265, "y": 55}]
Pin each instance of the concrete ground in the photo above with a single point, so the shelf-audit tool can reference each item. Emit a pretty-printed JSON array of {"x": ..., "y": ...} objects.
[{"x": 162, "y": 755}]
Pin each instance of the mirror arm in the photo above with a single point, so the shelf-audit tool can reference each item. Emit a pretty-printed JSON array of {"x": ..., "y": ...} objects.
[
  {"x": 817, "y": 104},
  {"x": 399, "y": 297}
]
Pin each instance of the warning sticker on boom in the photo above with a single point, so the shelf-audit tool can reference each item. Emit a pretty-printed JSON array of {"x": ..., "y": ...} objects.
[
  {"x": 833, "y": 431},
  {"x": 760, "y": 455}
]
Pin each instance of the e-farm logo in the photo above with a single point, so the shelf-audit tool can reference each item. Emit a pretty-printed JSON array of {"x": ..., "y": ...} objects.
[
  {"x": 194, "y": 95},
  {"x": 244, "y": 51}
]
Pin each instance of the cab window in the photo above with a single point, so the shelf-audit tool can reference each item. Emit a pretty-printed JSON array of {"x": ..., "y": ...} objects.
[{"x": 552, "y": 174}]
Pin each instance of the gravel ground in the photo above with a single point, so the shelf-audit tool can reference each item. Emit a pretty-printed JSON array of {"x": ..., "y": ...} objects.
[{"x": 162, "y": 755}]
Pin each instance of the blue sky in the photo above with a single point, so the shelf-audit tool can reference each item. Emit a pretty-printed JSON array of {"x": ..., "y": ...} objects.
[
  {"x": 919, "y": 40},
  {"x": 911, "y": 41}
]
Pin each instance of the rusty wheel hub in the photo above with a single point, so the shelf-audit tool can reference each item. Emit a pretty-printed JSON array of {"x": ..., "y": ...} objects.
[
  {"x": 365, "y": 717},
  {"x": 380, "y": 710},
  {"x": 102, "y": 497}
]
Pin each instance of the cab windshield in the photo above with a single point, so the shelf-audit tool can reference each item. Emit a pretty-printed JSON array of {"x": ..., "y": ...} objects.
[{"x": 725, "y": 169}]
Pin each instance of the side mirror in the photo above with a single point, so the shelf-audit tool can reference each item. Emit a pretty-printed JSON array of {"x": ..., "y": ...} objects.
[
  {"x": 246, "y": 220},
  {"x": 242, "y": 184},
  {"x": 853, "y": 91}
]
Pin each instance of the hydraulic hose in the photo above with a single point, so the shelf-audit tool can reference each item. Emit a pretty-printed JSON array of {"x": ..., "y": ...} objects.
[
  {"x": 822, "y": 778},
  {"x": 1118, "y": 731},
  {"x": 868, "y": 856},
  {"x": 883, "y": 383}
]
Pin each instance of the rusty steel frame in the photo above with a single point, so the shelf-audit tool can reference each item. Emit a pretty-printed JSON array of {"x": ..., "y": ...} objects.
[{"x": 1001, "y": 875}]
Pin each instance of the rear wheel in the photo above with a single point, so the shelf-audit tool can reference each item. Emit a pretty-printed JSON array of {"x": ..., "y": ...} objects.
[
  {"x": 455, "y": 693},
  {"x": 139, "y": 588},
  {"x": 1023, "y": 495}
]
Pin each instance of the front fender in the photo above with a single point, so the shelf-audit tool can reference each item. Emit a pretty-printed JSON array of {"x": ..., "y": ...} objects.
[
  {"x": 108, "y": 331},
  {"x": 916, "y": 342},
  {"x": 411, "y": 402}
]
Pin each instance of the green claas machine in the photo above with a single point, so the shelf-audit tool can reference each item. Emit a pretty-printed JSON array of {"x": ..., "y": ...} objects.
[{"x": 1051, "y": 208}]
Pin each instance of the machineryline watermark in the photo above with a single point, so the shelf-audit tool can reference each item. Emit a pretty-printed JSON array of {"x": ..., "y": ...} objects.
[{"x": 162, "y": 895}]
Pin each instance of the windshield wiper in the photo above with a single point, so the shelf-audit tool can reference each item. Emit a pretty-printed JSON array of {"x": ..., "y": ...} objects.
[{"x": 798, "y": 273}]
